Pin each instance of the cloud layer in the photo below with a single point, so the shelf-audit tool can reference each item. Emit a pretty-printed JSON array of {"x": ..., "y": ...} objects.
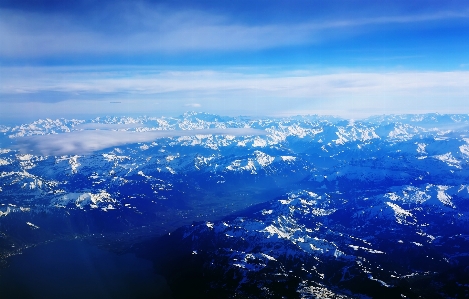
[
  {"x": 140, "y": 27},
  {"x": 249, "y": 91}
]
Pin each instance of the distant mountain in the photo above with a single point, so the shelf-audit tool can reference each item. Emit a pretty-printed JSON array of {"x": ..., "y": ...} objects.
[{"x": 306, "y": 206}]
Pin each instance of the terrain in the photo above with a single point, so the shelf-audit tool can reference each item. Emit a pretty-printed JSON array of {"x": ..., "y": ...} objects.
[{"x": 242, "y": 207}]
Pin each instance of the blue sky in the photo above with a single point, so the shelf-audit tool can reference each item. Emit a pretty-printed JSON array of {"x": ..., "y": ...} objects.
[{"x": 345, "y": 58}]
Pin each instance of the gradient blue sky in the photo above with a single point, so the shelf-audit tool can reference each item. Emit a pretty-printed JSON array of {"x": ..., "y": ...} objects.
[{"x": 346, "y": 58}]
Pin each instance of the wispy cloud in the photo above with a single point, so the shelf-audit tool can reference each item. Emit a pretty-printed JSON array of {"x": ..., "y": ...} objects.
[
  {"x": 193, "y": 105},
  {"x": 150, "y": 28},
  {"x": 299, "y": 83},
  {"x": 232, "y": 91}
]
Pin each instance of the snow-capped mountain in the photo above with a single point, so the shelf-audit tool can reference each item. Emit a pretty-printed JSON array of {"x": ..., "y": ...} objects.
[
  {"x": 411, "y": 243},
  {"x": 320, "y": 205}
]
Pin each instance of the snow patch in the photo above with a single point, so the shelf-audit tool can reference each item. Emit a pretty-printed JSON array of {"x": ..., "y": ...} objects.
[
  {"x": 443, "y": 197},
  {"x": 464, "y": 149},
  {"x": 4, "y": 162},
  {"x": 33, "y": 226},
  {"x": 83, "y": 200},
  {"x": 263, "y": 159},
  {"x": 259, "y": 142},
  {"x": 172, "y": 171},
  {"x": 448, "y": 159},
  {"x": 421, "y": 148},
  {"x": 399, "y": 213}
]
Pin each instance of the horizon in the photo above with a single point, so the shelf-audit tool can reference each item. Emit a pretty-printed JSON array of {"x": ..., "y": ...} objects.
[{"x": 88, "y": 118}]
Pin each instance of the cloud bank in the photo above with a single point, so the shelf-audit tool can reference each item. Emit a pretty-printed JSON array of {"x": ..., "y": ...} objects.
[
  {"x": 88, "y": 141},
  {"x": 232, "y": 91}
]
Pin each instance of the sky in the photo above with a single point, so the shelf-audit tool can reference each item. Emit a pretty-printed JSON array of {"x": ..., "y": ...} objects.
[{"x": 81, "y": 59}]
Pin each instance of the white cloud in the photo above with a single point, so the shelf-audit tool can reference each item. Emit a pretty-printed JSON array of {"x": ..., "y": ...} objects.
[
  {"x": 303, "y": 84},
  {"x": 149, "y": 29},
  {"x": 193, "y": 105},
  {"x": 230, "y": 92}
]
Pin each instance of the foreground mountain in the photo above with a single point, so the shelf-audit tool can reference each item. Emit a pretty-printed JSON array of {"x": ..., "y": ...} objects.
[
  {"x": 400, "y": 244},
  {"x": 307, "y": 207}
]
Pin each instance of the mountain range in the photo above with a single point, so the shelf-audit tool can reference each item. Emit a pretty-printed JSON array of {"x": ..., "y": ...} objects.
[{"x": 243, "y": 207}]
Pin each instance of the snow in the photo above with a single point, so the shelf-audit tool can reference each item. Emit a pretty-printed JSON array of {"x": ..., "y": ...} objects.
[
  {"x": 286, "y": 201},
  {"x": 400, "y": 213},
  {"x": 409, "y": 194},
  {"x": 171, "y": 170},
  {"x": 443, "y": 197},
  {"x": 171, "y": 158},
  {"x": 430, "y": 237},
  {"x": 288, "y": 158},
  {"x": 259, "y": 142},
  {"x": 200, "y": 160},
  {"x": 4, "y": 162},
  {"x": 421, "y": 148},
  {"x": 401, "y": 132},
  {"x": 74, "y": 164},
  {"x": 464, "y": 149},
  {"x": 449, "y": 159},
  {"x": 236, "y": 166},
  {"x": 5, "y": 211},
  {"x": 116, "y": 158},
  {"x": 143, "y": 174},
  {"x": 392, "y": 196},
  {"x": 355, "y": 247},
  {"x": 33, "y": 226},
  {"x": 273, "y": 230},
  {"x": 341, "y": 134},
  {"x": 263, "y": 159},
  {"x": 25, "y": 157},
  {"x": 298, "y": 224},
  {"x": 86, "y": 199},
  {"x": 268, "y": 257},
  {"x": 380, "y": 281}
]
